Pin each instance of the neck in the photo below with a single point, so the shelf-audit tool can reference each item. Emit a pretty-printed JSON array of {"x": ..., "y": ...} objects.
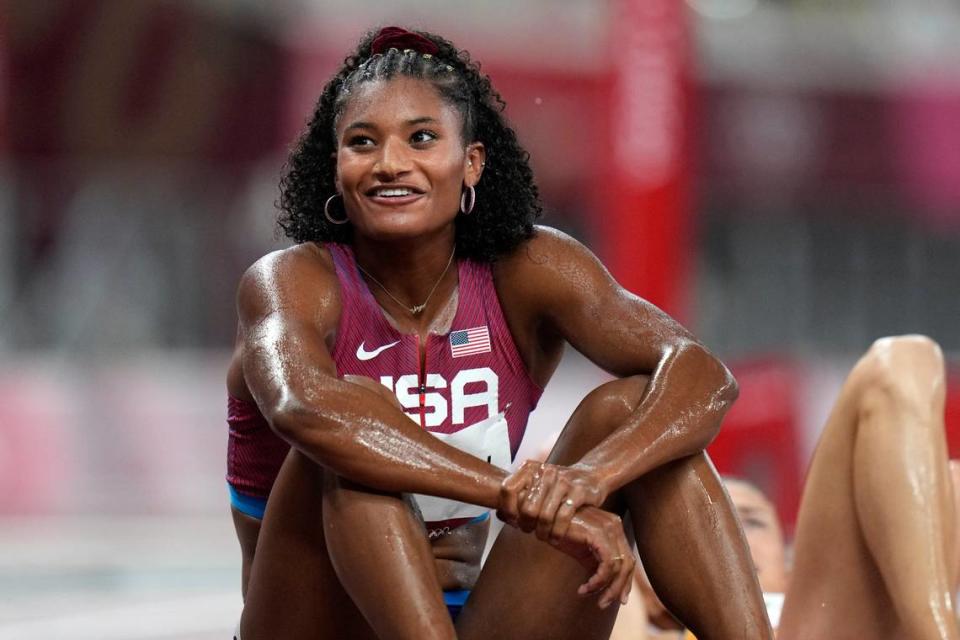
[{"x": 409, "y": 270}]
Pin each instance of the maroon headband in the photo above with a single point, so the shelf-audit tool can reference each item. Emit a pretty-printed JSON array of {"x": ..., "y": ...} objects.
[{"x": 399, "y": 38}]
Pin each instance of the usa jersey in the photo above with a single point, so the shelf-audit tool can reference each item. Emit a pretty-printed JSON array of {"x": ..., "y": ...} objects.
[{"x": 473, "y": 390}]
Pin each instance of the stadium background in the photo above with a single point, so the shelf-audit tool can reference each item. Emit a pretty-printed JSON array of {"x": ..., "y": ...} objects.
[{"x": 783, "y": 176}]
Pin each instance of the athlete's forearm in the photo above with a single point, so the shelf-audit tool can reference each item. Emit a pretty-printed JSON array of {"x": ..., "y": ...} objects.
[
  {"x": 362, "y": 437},
  {"x": 688, "y": 394}
]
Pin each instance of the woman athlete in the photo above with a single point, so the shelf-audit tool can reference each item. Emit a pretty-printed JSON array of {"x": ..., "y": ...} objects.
[{"x": 399, "y": 347}]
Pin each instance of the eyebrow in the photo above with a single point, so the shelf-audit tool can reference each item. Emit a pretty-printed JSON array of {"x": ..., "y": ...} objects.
[
  {"x": 360, "y": 124},
  {"x": 422, "y": 120}
]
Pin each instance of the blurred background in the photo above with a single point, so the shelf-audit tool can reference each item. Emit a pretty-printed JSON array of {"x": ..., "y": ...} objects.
[{"x": 781, "y": 175}]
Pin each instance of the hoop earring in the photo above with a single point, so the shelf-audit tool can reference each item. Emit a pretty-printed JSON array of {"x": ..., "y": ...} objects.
[
  {"x": 465, "y": 208},
  {"x": 326, "y": 211}
]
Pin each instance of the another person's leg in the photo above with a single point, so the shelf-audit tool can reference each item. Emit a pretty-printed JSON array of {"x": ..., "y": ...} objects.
[
  {"x": 955, "y": 563},
  {"x": 687, "y": 535},
  {"x": 875, "y": 531}
]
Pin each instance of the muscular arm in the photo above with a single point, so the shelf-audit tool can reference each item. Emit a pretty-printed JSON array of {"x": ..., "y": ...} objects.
[
  {"x": 289, "y": 306},
  {"x": 555, "y": 289}
]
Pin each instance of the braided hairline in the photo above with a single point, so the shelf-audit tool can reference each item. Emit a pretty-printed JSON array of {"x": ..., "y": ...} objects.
[{"x": 410, "y": 63}]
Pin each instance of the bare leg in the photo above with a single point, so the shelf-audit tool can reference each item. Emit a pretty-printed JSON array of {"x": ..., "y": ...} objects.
[
  {"x": 694, "y": 551},
  {"x": 380, "y": 551},
  {"x": 876, "y": 524},
  {"x": 336, "y": 560},
  {"x": 293, "y": 590},
  {"x": 687, "y": 534},
  {"x": 954, "y": 467},
  {"x": 248, "y": 530}
]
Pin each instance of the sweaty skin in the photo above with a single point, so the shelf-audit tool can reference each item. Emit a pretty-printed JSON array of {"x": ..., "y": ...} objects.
[
  {"x": 876, "y": 534},
  {"x": 358, "y": 454},
  {"x": 881, "y": 459}
]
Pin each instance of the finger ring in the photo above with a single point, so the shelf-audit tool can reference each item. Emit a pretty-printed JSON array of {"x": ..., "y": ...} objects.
[
  {"x": 568, "y": 502},
  {"x": 617, "y": 558}
]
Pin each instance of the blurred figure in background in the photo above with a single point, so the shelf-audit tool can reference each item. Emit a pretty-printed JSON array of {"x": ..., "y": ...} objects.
[{"x": 768, "y": 547}]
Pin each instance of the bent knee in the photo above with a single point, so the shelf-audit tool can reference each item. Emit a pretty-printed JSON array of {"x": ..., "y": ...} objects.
[
  {"x": 349, "y": 505},
  {"x": 598, "y": 414},
  {"x": 907, "y": 370},
  {"x": 614, "y": 401},
  {"x": 894, "y": 361},
  {"x": 907, "y": 350}
]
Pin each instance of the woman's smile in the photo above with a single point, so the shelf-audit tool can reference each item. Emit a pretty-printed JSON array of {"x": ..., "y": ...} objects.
[{"x": 394, "y": 195}]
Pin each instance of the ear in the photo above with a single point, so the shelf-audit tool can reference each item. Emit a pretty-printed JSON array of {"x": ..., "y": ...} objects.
[{"x": 475, "y": 158}]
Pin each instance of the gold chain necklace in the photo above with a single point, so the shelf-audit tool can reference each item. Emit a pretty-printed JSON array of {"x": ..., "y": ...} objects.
[{"x": 417, "y": 308}]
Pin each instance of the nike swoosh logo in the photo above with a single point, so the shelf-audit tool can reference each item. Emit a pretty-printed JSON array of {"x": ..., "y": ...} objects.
[{"x": 363, "y": 354}]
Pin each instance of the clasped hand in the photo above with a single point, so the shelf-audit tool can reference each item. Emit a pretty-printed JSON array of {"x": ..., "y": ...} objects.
[{"x": 562, "y": 506}]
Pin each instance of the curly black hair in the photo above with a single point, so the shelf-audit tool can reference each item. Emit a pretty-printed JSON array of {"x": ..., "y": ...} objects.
[{"x": 507, "y": 199}]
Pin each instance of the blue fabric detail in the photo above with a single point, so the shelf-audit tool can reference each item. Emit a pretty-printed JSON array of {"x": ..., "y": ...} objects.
[
  {"x": 254, "y": 507},
  {"x": 456, "y": 597},
  {"x": 480, "y": 518},
  {"x": 249, "y": 505},
  {"x": 455, "y": 601}
]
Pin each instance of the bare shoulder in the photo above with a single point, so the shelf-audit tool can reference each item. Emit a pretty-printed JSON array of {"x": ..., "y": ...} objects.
[
  {"x": 556, "y": 287},
  {"x": 538, "y": 282},
  {"x": 550, "y": 266},
  {"x": 281, "y": 266},
  {"x": 297, "y": 280},
  {"x": 549, "y": 248}
]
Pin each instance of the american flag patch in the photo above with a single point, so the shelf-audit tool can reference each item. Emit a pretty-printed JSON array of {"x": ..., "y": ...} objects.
[{"x": 468, "y": 342}]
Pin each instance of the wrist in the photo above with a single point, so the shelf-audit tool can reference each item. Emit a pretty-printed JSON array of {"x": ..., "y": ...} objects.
[
  {"x": 602, "y": 477},
  {"x": 510, "y": 493}
]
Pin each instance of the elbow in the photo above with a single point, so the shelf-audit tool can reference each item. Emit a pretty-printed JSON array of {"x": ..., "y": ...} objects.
[
  {"x": 719, "y": 384},
  {"x": 286, "y": 421},
  {"x": 296, "y": 424},
  {"x": 719, "y": 389},
  {"x": 728, "y": 390}
]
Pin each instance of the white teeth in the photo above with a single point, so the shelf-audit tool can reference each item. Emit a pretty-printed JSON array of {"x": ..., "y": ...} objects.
[{"x": 393, "y": 192}]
